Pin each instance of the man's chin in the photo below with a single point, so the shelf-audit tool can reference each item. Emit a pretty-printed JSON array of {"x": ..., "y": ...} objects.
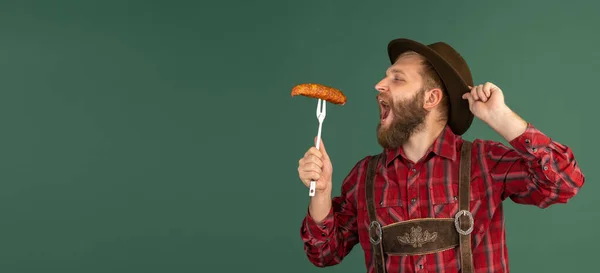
[
  {"x": 383, "y": 135},
  {"x": 382, "y": 128}
]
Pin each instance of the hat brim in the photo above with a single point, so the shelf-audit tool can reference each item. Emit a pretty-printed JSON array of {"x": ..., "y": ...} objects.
[{"x": 460, "y": 117}]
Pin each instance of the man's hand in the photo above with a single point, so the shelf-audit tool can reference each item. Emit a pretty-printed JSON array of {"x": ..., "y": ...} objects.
[
  {"x": 486, "y": 102},
  {"x": 316, "y": 166}
]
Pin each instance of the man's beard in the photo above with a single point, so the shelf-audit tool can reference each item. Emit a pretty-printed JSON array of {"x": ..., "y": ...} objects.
[{"x": 408, "y": 118}]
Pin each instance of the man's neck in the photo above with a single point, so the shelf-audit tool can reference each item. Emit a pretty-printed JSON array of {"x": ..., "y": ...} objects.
[{"x": 418, "y": 144}]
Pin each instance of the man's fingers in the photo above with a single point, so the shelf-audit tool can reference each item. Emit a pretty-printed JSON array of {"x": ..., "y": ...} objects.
[
  {"x": 482, "y": 96},
  {"x": 468, "y": 97},
  {"x": 314, "y": 152},
  {"x": 475, "y": 91},
  {"x": 312, "y": 166},
  {"x": 481, "y": 92},
  {"x": 488, "y": 93},
  {"x": 310, "y": 161},
  {"x": 315, "y": 160},
  {"x": 488, "y": 88},
  {"x": 310, "y": 176}
]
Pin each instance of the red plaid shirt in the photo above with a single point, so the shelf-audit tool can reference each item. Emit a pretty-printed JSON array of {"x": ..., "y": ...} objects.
[{"x": 538, "y": 171}]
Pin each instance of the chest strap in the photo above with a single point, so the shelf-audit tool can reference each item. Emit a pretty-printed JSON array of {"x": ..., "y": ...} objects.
[{"x": 424, "y": 235}]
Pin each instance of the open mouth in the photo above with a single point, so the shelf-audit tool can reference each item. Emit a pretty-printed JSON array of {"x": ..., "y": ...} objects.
[{"x": 384, "y": 109}]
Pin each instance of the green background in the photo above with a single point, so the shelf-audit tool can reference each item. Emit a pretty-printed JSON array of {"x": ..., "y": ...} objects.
[{"x": 160, "y": 136}]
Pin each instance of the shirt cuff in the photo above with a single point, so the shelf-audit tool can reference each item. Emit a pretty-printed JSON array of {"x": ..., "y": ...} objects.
[
  {"x": 531, "y": 144},
  {"x": 319, "y": 232}
]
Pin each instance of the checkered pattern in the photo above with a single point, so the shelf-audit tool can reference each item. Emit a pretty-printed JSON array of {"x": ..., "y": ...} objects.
[{"x": 535, "y": 171}]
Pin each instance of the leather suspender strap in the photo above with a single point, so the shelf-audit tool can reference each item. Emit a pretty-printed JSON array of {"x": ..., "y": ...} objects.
[
  {"x": 375, "y": 231},
  {"x": 463, "y": 220},
  {"x": 466, "y": 219}
]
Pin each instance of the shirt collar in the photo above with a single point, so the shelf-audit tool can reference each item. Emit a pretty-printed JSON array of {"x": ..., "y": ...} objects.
[{"x": 444, "y": 146}]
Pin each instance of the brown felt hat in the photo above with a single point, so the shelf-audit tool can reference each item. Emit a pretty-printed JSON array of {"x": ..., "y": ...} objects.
[{"x": 453, "y": 71}]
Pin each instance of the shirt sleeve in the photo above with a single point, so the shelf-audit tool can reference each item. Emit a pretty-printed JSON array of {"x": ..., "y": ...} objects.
[
  {"x": 537, "y": 171},
  {"x": 328, "y": 242}
]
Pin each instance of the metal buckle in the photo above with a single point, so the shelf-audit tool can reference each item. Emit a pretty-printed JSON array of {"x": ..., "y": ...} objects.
[
  {"x": 378, "y": 231},
  {"x": 457, "y": 224}
]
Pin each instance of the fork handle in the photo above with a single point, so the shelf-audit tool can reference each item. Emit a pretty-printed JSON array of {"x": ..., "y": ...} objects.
[
  {"x": 311, "y": 191},
  {"x": 319, "y": 135},
  {"x": 313, "y": 184}
]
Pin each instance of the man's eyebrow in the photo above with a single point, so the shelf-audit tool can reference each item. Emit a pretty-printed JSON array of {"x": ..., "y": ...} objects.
[{"x": 395, "y": 70}]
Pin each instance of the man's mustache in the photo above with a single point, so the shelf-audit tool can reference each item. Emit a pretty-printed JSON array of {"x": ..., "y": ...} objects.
[{"x": 384, "y": 97}]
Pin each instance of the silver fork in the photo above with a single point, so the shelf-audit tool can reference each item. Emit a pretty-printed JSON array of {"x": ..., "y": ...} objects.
[{"x": 321, "y": 111}]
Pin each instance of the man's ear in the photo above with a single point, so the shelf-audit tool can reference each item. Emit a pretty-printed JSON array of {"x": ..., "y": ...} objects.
[{"x": 432, "y": 98}]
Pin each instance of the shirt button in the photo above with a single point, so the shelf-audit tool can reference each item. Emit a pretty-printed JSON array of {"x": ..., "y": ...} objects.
[
  {"x": 420, "y": 266},
  {"x": 381, "y": 203},
  {"x": 545, "y": 167},
  {"x": 534, "y": 149},
  {"x": 527, "y": 141},
  {"x": 413, "y": 200},
  {"x": 414, "y": 170},
  {"x": 323, "y": 234},
  {"x": 455, "y": 198}
]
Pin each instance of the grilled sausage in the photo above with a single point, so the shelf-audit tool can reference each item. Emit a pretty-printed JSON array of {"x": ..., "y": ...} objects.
[{"x": 319, "y": 91}]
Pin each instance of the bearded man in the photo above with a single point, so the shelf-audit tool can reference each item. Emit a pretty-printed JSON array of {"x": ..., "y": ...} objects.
[{"x": 431, "y": 201}]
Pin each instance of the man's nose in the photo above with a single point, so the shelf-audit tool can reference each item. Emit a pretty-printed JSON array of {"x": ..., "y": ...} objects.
[{"x": 381, "y": 87}]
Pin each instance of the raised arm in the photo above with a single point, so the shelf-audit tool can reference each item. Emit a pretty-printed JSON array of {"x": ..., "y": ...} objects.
[
  {"x": 536, "y": 170},
  {"x": 328, "y": 238}
]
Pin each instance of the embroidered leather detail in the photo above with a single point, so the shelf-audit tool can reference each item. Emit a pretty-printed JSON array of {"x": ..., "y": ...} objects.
[{"x": 417, "y": 237}]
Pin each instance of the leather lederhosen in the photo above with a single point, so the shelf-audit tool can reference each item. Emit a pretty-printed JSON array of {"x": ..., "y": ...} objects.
[{"x": 424, "y": 235}]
